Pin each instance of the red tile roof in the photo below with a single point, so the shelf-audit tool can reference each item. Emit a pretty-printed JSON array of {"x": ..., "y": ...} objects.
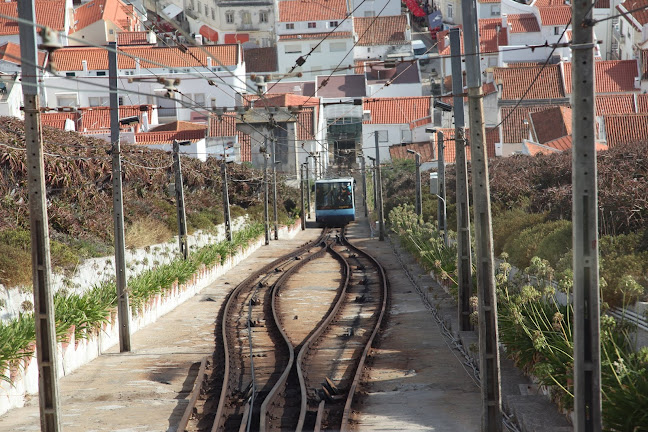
[
  {"x": 612, "y": 76},
  {"x": 49, "y": 13},
  {"x": 489, "y": 38},
  {"x": 70, "y": 59},
  {"x": 626, "y": 129},
  {"x": 513, "y": 128},
  {"x": 427, "y": 153},
  {"x": 10, "y": 52},
  {"x": 489, "y": 1},
  {"x": 602, "y": 4},
  {"x": 640, "y": 15},
  {"x": 96, "y": 118},
  {"x": 516, "y": 80},
  {"x": 178, "y": 126},
  {"x": 132, "y": 38},
  {"x": 535, "y": 149},
  {"x": 397, "y": 110},
  {"x": 642, "y": 103},
  {"x": 385, "y": 30},
  {"x": 284, "y": 100},
  {"x": 545, "y": 3},
  {"x": 563, "y": 143},
  {"x": 169, "y": 136},
  {"x": 334, "y": 35},
  {"x": 523, "y": 23},
  {"x": 114, "y": 11},
  {"x": 555, "y": 15},
  {"x": 311, "y": 10},
  {"x": 57, "y": 119},
  {"x": 551, "y": 124},
  {"x": 615, "y": 104},
  {"x": 260, "y": 59},
  {"x": 227, "y": 127}
]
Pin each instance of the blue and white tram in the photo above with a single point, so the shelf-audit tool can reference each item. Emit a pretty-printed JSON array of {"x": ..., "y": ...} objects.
[{"x": 335, "y": 201}]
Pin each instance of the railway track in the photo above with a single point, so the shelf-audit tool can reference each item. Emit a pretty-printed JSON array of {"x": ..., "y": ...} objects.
[{"x": 290, "y": 364}]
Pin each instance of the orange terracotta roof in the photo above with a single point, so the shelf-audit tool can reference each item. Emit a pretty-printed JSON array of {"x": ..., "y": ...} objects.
[
  {"x": 536, "y": 149},
  {"x": 516, "y": 80},
  {"x": 489, "y": 1},
  {"x": 96, "y": 118},
  {"x": 523, "y": 23},
  {"x": 555, "y": 15},
  {"x": 57, "y": 119},
  {"x": 551, "y": 124},
  {"x": 385, "y": 30},
  {"x": 489, "y": 38},
  {"x": 642, "y": 103},
  {"x": 283, "y": 100},
  {"x": 10, "y": 52},
  {"x": 626, "y": 129},
  {"x": 545, "y": 3},
  {"x": 334, "y": 35},
  {"x": 114, "y": 11},
  {"x": 615, "y": 104},
  {"x": 602, "y": 4},
  {"x": 169, "y": 136},
  {"x": 70, "y": 59},
  {"x": 641, "y": 15},
  {"x": 50, "y": 13},
  {"x": 178, "y": 126},
  {"x": 427, "y": 152},
  {"x": 132, "y": 38},
  {"x": 397, "y": 110},
  {"x": 612, "y": 76},
  {"x": 311, "y": 10},
  {"x": 260, "y": 59},
  {"x": 226, "y": 127},
  {"x": 563, "y": 143},
  {"x": 513, "y": 128}
]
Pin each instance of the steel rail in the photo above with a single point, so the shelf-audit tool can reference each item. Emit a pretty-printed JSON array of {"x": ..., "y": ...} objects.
[{"x": 358, "y": 375}]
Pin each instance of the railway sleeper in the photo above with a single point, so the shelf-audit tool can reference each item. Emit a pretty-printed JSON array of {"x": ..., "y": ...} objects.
[{"x": 331, "y": 386}]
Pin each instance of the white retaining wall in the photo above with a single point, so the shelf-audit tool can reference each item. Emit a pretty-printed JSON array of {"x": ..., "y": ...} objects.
[{"x": 73, "y": 354}]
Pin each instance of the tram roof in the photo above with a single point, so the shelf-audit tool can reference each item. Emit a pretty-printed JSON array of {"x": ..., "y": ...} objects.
[{"x": 336, "y": 180}]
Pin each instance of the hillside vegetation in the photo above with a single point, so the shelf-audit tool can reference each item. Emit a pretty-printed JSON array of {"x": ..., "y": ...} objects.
[{"x": 79, "y": 195}]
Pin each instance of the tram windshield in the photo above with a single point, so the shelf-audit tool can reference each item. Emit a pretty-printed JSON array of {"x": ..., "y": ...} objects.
[{"x": 334, "y": 196}]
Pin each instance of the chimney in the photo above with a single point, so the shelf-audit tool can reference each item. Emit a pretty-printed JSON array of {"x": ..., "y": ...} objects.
[
  {"x": 505, "y": 22},
  {"x": 84, "y": 65},
  {"x": 209, "y": 62},
  {"x": 137, "y": 66},
  {"x": 151, "y": 38},
  {"x": 145, "y": 122},
  {"x": 199, "y": 39}
]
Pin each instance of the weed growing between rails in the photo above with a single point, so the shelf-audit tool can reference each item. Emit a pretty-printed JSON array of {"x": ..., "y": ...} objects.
[
  {"x": 536, "y": 329},
  {"x": 85, "y": 314}
]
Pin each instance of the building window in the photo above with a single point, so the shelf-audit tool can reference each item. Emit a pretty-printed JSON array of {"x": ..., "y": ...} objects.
[
  {"x": 290, "y": 26},
  {"x": 556, "y": 31},
  {"x": 316, "y": 48},
  {"x": 94, "y": 101},
  {"x": 293, "y": 49},
  {"x": 101, "y": 73},
  {"x": 406, "y": 136},
  {"x": 333, "y": 24},
  {"x": 247, "y": 18},
  {"x": 495, "y": 10},
  {"x": 450, "y": 11},
  {"x": 263, "y": 17},
  {"x": 199, "y": 99},
  {"x": 206, "y": 10},
  {"x": 337, "y": 46},
  {"x": 369, "y": 13},
  {"x": 312, "y": 25},
  {"x": 199, "y": 7},
  {"x": 70, "y": 73},
  {"x": 66, "y": 99},
  {"x": 229, "y": 17},
  {"x": 213, "y": 13},
  {"x": 120, "y": 100},
  {"x": 383, "y": 135}
]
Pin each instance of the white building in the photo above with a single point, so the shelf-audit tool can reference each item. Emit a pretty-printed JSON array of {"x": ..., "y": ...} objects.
[
  {"x": 55, "y": 14},
  {"x": 380, "y": 37},
  {"x": 100, "y": 21}
]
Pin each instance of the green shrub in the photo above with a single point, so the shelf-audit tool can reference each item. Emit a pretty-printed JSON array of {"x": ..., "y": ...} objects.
[
  {"x": 556, "y": 243},
  {"x": 510, "y": 223},
  {"x": 522, "y": 247}
]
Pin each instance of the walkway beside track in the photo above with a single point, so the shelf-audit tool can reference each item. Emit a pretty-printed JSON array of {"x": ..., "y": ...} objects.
[{"x": 415, "y": 381}]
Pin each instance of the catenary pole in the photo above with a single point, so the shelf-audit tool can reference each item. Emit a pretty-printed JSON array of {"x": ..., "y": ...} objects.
[
  {"x": 274, "y": 186},
  {"x": 488, "y": 336},
  {"x": 308, "y": 191},
  {"x": 179, "y": 196},
  {"x": 301, "y": 190},
  {"x": 381, "y": 220},
  {"x": 443, "y": 220},
  {"x": 364, "y": 185},
  {"x": 265, "y": 192},
  {"x": 226, "y": 203},
  {"x": 464, "y": 252},
  {"x": 587, "y": 344},
  {"x": 419, "y": 194},
  {"x": 46, "y": 352},
  {"x": 123, "y": 312}
]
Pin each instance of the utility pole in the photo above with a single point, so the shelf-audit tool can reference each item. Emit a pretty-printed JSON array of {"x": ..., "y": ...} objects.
[
  {"x": 381, "y": 220},
  {"x": 265, "y": 192},
  {"x": 274, "y": 186},
  {"x": 488, "y": 337},
  {"x": 179, "y": 196},
  {"x": 364, "y": 185},
  {"x": 587, "y": 344},
  {"x": 308, "y": 194},
  {"x": 123, "y": 312},
  {"x": 303, "y": 209},
  {"x": 443, "y": 223},
  {"x": 48, "y": 393},
  {"x": 419, "y": 197},
  {"x": 464, "y": 252},
  {"x": 226, "y": 203}
]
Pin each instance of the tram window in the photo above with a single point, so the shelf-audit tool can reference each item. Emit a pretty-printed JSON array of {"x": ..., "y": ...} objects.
[{"x": 334, "y": 196}]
